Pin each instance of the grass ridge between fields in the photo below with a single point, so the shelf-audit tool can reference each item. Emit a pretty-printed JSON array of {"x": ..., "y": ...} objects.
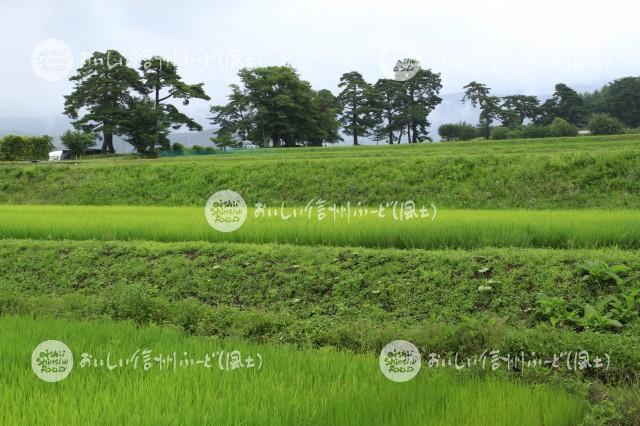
[
  {"x": 357, "y": 299},
  {"x": 582, "y": 173}
]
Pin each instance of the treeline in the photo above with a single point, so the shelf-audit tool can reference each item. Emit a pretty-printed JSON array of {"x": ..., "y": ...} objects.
[
  {"x": 273, "y": 106},
  {"x": 606, "y": 111},
  {"x": 13, "y": 147}
]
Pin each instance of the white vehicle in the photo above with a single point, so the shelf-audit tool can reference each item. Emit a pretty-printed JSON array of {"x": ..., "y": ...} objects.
[
  {"x": 59, "y": 155},
  {"x": 65, "y": 154},
  {"x": 248, "y": 145}
]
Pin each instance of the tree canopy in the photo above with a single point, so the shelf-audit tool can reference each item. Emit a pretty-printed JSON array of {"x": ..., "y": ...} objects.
[
  {"x": 103, "y": 87},
  {"x": 109, "y": 97},
  {"x": 273, "y": 105}
]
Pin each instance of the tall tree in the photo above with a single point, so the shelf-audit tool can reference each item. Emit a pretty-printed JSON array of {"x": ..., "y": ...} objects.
[
  {"x": 325, "y": 122},
  {"x": 236, "y": 117},
  {"x": 357, "y": 115},
  {"x": 274, "y": 104},
  {"x": 565, "y": 103},
  {"x": 162, "y": 80},
  {"x": 622, "y": 100},
  {"x": 390, "y": 97},
  {"x": 479, "y": 95},
  {"x": 422, "y": 98},
  {"x": 224, "y": 138},
  {"x": 145, "y": 126},
  {"x": 283, "y": 103},
  {"x": 517, "y": 108},
  {"x": 103, "y": 88}
]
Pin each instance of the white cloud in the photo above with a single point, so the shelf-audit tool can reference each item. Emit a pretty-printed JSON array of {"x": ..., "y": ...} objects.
[{"x": 513, "y": 46}]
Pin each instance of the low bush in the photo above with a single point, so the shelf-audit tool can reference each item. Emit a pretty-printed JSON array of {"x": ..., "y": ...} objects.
[
  {"x": 561, "y": 128},
  {"x": 533, "y": 131},
  {"x": 499, "y": 133},
  {"x": 515, "y": 134},
  {"x": 77, "y": 142},
  {"x": 604, "y": 124},
  {"x": 460, "y": 131},
  {"x": 13, "y": 147}
]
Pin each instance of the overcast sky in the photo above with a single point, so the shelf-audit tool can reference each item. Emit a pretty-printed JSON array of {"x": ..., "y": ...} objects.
[{"x": 512, "y": 46}]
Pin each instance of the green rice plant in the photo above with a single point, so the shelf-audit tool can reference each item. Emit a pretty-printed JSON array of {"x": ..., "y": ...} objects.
[
  {"x": 314, "y": 387},
  {"x": 451, "y": 228}
]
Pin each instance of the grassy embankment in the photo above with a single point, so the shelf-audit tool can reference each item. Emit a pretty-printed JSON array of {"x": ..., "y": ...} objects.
[{"x": 566, "y": 173}]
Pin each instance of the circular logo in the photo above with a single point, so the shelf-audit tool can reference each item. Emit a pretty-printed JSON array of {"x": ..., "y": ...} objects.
[
  {"x": 406, "y": 69},
  {"x": 400, "y": 361},
  {"x": 226, "y": 211},
  {"x": 52, "y": 361},
  {"x": 52, "y": 60}
]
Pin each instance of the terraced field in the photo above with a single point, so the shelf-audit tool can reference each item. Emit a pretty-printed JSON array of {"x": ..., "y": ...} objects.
[{"x": 527, "y": 247}]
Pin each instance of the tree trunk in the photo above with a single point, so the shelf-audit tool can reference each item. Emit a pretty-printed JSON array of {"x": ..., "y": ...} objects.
[
  {"x": 355, "y": 132},
  {"x": 414, "y": 132},
  {"x": 109, "y": 140},
  {"x": 157, "y": 105},
  {"x": 107, "y": 143}
]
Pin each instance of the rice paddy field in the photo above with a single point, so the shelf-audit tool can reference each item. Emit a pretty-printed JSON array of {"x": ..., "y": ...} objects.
[
  {"x": 523, "y": 247},
  {"x": 292, "y": 387},
  {"x": 465, "y": 229}
]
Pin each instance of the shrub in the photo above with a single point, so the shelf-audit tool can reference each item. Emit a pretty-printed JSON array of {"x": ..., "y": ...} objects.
[
  {"x": 40, "y": 146},
  {"x": 13, "y": 147},
  {"x": 197, "y": 148},
  {"x": 533, "y": 131},
  {"x": 499, "y": 133},
  {"x": 561, "y": 127},
  {"x": 515, "y": 134},
  {"x": 604, "y": 124},
  {"x": 178, "y": 147},
  {"x": 460, "y": 131},
  {"x": 77, "y": 142},
  {"x": 467, "y": 132},
  {"x": 449, "y": 132}
]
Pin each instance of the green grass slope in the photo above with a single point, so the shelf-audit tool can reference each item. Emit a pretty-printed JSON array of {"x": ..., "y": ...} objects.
[
  {"x": 358, "y": 299},
  {"x": 560, "y": 173}
]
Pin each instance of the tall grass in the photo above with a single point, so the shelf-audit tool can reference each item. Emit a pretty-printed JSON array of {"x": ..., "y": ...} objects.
[
  {"x": 451, "y": 228},
  {"x": 293, "y": 387}
]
